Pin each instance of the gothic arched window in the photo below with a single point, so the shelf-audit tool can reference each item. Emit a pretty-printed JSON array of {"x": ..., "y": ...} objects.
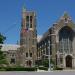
[{"x": 65, "y": 39}]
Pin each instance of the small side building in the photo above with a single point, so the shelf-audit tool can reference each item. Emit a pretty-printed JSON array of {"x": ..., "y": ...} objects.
[{"x": 10, "y": 52}]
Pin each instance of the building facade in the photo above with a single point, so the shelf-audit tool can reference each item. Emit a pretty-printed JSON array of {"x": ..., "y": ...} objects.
[
  {"x": 24, "y": 54},
  {"x": 60, "y": 40},
  {"x": 28, "y": 39},
  {"x": 11, "y": 53}
]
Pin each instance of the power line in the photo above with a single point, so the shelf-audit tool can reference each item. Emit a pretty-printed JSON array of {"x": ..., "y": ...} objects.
[{"x": 10, "y": 28}]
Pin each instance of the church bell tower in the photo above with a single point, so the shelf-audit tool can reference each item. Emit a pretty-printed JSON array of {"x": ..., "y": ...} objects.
[{"x": 28, "y": 38}]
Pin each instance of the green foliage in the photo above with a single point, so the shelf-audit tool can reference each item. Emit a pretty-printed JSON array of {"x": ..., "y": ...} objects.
[
  {"x": 38, "y": 63},
  {"x": 2, "y": 57},
  {"x": 58, "y": 68},
  {"x": 43, "y": 68},
  {"x": 2, "y": 69},
  {"x": 46, "y": 62},
  {"x": 20, "y": 69},
  {"x": 2, "y": 38}
]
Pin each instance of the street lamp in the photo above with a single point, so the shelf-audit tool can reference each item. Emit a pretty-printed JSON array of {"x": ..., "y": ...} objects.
[{"x": 49, "y": 54}]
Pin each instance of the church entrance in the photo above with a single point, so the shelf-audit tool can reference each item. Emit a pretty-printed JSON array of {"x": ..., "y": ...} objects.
[
  {"x": 69, "y": 61},
  {"x": 29, "y": 63}
]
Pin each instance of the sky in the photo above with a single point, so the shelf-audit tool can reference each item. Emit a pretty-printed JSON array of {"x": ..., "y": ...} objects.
[{"x": 47, "y": 13}]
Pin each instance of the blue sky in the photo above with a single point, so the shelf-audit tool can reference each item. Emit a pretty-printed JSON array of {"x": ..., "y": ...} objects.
[{"x": 47, "y": 12}]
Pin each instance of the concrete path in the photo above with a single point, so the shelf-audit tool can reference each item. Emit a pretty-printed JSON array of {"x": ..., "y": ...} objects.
[{"x": 39, "y": 73}]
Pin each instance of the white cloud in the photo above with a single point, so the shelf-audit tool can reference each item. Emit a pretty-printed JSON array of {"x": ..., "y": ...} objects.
[{"x": 39, "y": 37}]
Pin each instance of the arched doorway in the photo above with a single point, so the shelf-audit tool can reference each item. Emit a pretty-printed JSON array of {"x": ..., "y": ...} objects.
[
  {"x": 29, "y": 63},
  {"x": 69, "y": 61}
]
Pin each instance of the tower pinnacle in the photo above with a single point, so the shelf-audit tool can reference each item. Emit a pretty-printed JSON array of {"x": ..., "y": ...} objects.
[
  {"x": 23, "y": 8},
  {"x": 66, "y": 15}
]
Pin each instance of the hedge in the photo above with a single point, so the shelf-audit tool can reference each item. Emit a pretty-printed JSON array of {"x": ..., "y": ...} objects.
[
  {"x": 43, "y": 68},
  {"x": 58, "y": 68},
  {"x": 19, "y": 69}
]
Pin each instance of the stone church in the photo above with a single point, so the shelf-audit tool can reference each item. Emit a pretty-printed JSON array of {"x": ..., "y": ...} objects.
[
  {"x": 24, "y": 54},
  {"x": 28, "y": 39},
  {"x": 59, "y": 40}
]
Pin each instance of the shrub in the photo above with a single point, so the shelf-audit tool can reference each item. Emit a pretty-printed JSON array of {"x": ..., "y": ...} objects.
[
  {"x": 2, "y": 69},
  {"x": 58, "y": 68},
  {"x": 19, "y": 69},
  {"x": 43, "y": 68}
]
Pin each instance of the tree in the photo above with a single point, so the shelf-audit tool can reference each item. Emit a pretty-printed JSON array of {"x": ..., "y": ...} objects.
[
  {"x": 2, "y": 38},
  {"x": 2, "y": 56},
  {"x": 46, "y": 62}
]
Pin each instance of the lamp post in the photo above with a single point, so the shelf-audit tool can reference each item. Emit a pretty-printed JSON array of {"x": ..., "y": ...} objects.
[{"x": 49, "y": 55}]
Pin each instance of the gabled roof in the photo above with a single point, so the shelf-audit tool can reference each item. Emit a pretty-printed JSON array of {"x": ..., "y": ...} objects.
[
  {"x": 66, "y": 16},
  {"x": 7, "y": 47}
]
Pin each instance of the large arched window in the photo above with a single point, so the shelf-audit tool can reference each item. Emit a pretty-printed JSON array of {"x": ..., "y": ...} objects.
[{"x": 65, "y": 39}]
